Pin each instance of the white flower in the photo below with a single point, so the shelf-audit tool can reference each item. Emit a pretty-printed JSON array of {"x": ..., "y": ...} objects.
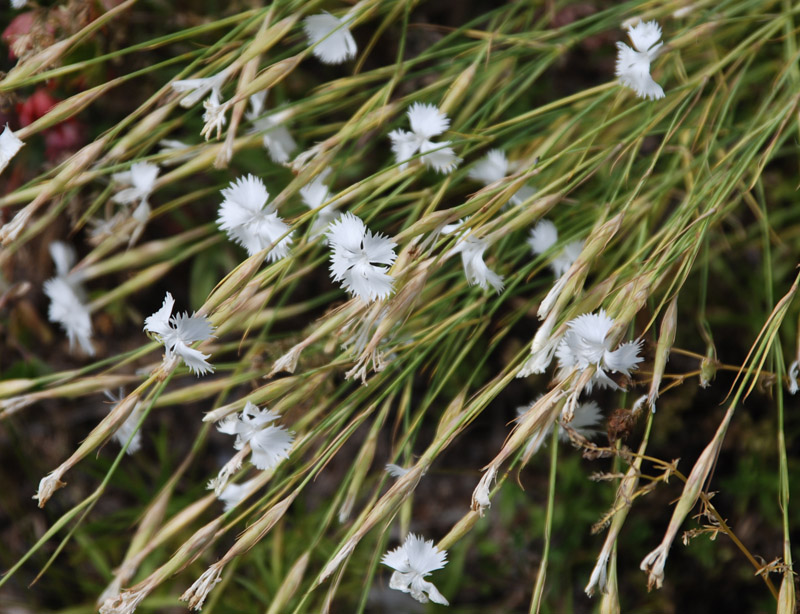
[
  {"x": 18, "y": 4},
  {"x": 544, "y": 236},
  {"x": 269, "y": 444},
  {"x": 276, "y": 138},
  {"x": 141, "y": 178},
  {"x": 214, "y": 116},
  {"x": 633, "y": 66},
  {"x": 233, "y": 494},
  {"x": 355, "y": 256},
  {"x": 331, "y": 38},
  {"x": 412, "y": 562},
  {"x": 494, "y": 167},
  {"x": 585, "y": 344},
  {"x": 314, "y": 194},
  {"x": 426, "y": 121},
  {"x": 252, "y": 223},
  {"x": 586, "y": 419},
  {"x": 471, "y": 249},
  {"x": 128, "y": 427},
  {"x": 67, "y": 297},
  {"x": 396, "y": 471},
  {"x": 10, "y": 144},
  {"x": 198, "y": 88},
  {"x": 177, "y": 332},
  {"x": 176, "y": 150}
]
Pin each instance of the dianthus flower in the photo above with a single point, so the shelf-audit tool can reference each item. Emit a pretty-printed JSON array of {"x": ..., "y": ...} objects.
[
  {"x": 633, "y": 65},
  {"x": 250, "y": 221},
  {"x": 586, "y": 343},
  {"x": 426, "y": 122},
  {"x": 269, "y": 444},
  {"x": 412, "y": 562},
  {"x": 356, "y": 254},
  {"x": 177, "y": 332},
  {"x": 331, "y": 38},
  {"x": 471, "y": 249},
  {"x": 494, "y": 166},
  {"x": 66, "y": 294},
  {"x": 10, "y": 144}
]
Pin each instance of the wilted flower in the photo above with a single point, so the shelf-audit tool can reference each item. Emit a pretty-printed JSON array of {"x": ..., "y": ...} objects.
[
  {"x": 10, "y": 144},
  {"x": 355, "y": 256},
  {"x": 252, "y": 223},
  {"x": 198, "y": 88},
  {"x": 586, "y": 419},
  {"x": 269, "y": 444},
  {"x": 177, "y": 332},
  {"x": 633, "y": 66},
  {"x": 214, "y": 117},
  {"x": 67, "y": 299},
  {"x": 331, "y": 38},
  {"x": 426, "y": 121},
  {"x": 471, "y": 249},
  {"x": 494, "y": 167},
  {"x": 412, "y": 562},
  {"x": 314, "y": 194},
  {"x": 585, "y": 344}
]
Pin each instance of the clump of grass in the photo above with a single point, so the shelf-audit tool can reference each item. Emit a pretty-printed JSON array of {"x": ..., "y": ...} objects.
[{"x": 445, "y": 319}]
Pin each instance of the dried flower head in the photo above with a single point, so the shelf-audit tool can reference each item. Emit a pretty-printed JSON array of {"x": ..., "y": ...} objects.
[
  {"x": 330, "y": 37},
  {"x": 426, "y": 122},
  {"x": 177, "y": 332},
  {"x": 250, "y": 221},
  {"x": 356, "y": 254},
  {"x": 633, "y": 65},
  {"x": 412, "y": 562}
]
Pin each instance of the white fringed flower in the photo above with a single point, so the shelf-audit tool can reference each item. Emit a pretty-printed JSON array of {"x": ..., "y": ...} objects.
[
  {"x": 586, "y": 419},
  {"x": 141, "y": 178},
  {"x": 252, "y": 223},
  {"x": 128, "y": 427},
  {"x": 585, "y": 344},
  {"x": 426, "y": 122},
  {"x": 198, "y": 88},
  {"x": 356, "y": 254},
  {"x": 633, "y": 65},
  {"x": 494, "y": 167},
  {"x": 177, "y": 332},
  {"x": 67, "y": 306},
  {"x": 471, "y": 249},
  {"x": 396, "y": 471},
  {"x": 275, "y": 137},
  {"x": 544, "y": 236},
  {"x": 233, "y": 494},
  {"x": 10, "y": 144},
  {"x": 331, "y": 38},
  {"x": 314, "y": 194},
  {"x": 269, "y": 444},
  {"x": 412, "y": 562}
]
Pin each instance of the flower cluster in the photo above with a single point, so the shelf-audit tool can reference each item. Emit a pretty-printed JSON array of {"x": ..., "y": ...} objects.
[
  {"x": 412, "y": 562},
  {"x": 177, "y": 332},
  {"x": 269, "y": 444}
]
